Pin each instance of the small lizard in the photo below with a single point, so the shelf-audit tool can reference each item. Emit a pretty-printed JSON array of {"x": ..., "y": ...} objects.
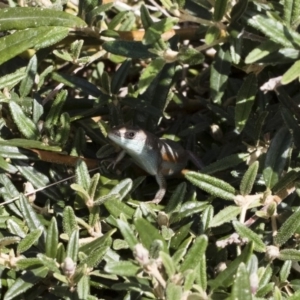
[{"x": 158, "y": 157}]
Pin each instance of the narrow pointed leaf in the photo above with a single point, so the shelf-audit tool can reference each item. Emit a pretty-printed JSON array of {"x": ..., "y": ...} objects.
[
  {"x": 245, "y": 232},
  {"x": 241, "y": 288},
  {"x": 29, "y": 240},
  {"x": 73, "y": 245},
  {"x": 292, "y": 73},
  {"x": 192, "y": 259},
  {"x": 277, "y": 156},
  {"x": 225, "y": 215},
  {"x": 249, "y": 179},
  {"x": 244, "y": 101},
  {"x": 225, "y": 278},
  {"x": 211, "y": 185},
  {"x": 10, "y": 80},
  {"x": 18, "y": 42},
  {"x": 69, "y": 220},
  {"x": 219, "y": 9},
  {"x": 127, "y": 233},
  {"x": 27, "y": 83},
  {"x": 26, "y": 17},
  {"x": 52, "y": 239},
  {"x": 25, "y": 282},
  {"x": 219, "y": 74},
  {"x": 24, "y": 124},
  {"x": 275, "y": 30},
  {"x": 122, "y": 268},
  {"x": 288, "y": 228},
  {"x": 148, "y": 233}
]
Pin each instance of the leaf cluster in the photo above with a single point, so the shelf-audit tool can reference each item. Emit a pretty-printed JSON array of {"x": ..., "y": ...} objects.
[{"x": 220, "y": 77}]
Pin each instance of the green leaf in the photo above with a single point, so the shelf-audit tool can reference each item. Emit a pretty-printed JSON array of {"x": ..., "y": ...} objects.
[
  {"x": 211, "y": 185},
  {"x": 82, "y": 174},
  {"x": 63, "y": 131},
  {"x": 289, "y": 254},
  {"x": 288, "y": 180},
  {"x": 120, "y": 76},
  {"x": 173, "y": 291},
  {"x": 244, "y": 101},
  {"x": 168, "y": 263},
  {"x": 28, "y": 82},
  {"x": 225, "y": 278},
  {"x": 149, "y": 73},
  {"x": 145, "y": 17},
  {"x": 29, "y": 240},
  {"x": 73, "y": 245},
  {"x": 30, "y": 217},
  {"x": 52, "y": 239},
  {"x": 130, "y": 49},
  {"x": 103, "y": 241},
  {"x": 148, "y": 233},
  {"x": 249, "y": 179},
  {"x": 83, "y": 287},
  {"x": 176, "y": 199},
  {"x": 285, "y": 271},
  {"x": 291, "y": 123},
  {"x": 91, "y": 15},
  {"x": 94, "y": 258},
  {"x": 38, "y": 180},
  {"x": 25, "y": 282},
  {"x": 207, "y": 216},
  {"x": 275, "y": 30},
  {"x": 219, "y": 10},
  {"x": 236, "y": 45},
  {"x": 190, "y": 56},
  {"x": 78, "y": 83},
  {"x": 12, "y": 79},
  {"x": 288, "y": 228},
  {"x": 121, "y": 268},
  {"x": 55, "y": 110},
  {"x": 292, "y": 73},
  {"x": 127, "y": 233},
  {"x": 9, "y": 240},
  {"x": 225, "y": 215},
  {"x": 192, "y": 259},
  {"x": 238, "y": 10},
  {"x": 24, "y": 124},
  {"x": 29, "y": 144},
  {"x": 18, "y": 42},
  {"x": 27, "y": 17},
  {"x": 241, "y": 288},
  {"x": 122, "y": 188},
  {"x": 81, "y": 192},
  {"x": 188, "y": 209},
  {"x": 117, "y": 207},
  {"x": 212, "y": 34},
  {"x": 245, "y": 232},
  {"x": 14, "y": 228},
  {"x": 225, "y": 163},
  {"x": 154, "y": 32},
  {"x": 69, "y": 220},
  {"x": 291, "y": 11},
  {"x": 219, "y": 72},
  {"x": 277, "y": 156},
  {"x": 263, "y": 50}
]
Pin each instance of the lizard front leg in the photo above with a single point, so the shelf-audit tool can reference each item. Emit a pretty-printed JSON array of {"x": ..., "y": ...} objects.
[
  {"x": 160, "y": 179},
  {"x": 119, "y": 158}
]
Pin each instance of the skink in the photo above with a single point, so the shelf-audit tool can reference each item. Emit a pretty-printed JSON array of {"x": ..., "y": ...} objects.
[{"x": 158, "y": 157}]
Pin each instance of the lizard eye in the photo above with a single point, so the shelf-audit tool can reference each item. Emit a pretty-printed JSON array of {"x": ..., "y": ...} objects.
[{"x": 130, "y": 134}]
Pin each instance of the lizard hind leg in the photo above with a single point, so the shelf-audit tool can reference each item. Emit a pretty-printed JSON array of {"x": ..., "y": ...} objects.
[{"x": 160, "y": 179}]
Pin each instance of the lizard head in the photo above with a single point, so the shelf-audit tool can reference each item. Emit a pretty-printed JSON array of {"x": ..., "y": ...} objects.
[{"x": 131, "y": 139}]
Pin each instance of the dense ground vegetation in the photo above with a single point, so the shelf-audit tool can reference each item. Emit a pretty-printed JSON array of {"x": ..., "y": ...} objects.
[{"x": 221, "y": 78}]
